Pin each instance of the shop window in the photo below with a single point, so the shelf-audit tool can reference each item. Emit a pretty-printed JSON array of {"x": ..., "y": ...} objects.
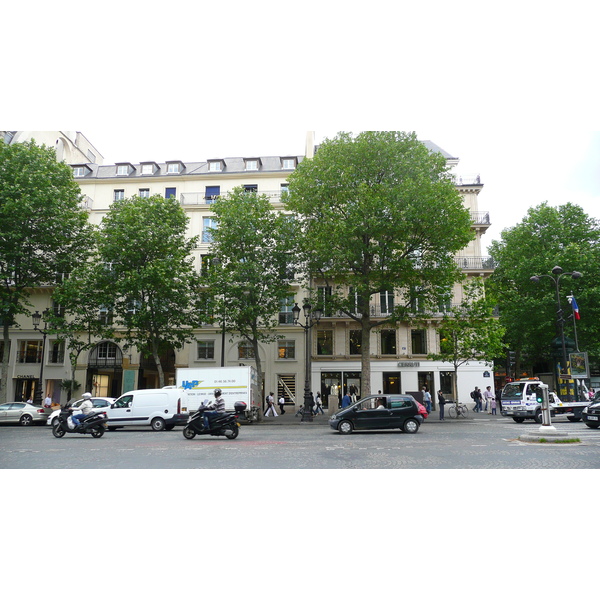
[{"x": 324, "y": 342}]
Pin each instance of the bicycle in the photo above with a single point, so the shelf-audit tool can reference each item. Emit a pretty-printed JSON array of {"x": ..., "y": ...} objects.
[{"x": 458, "y": 410}]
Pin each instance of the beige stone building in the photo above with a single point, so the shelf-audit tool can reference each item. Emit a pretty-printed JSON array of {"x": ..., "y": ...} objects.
[{"x": 399, "y": 356}]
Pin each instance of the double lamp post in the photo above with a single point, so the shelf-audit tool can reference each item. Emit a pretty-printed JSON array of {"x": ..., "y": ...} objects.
[
  {"x": 557, "y": 275},
  {"x": 311, "y": 317},
  {"x": 37, "y": 318}
]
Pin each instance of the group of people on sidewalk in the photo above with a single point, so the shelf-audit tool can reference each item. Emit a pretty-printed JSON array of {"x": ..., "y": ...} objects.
[
  {"x": 270, "y": 411},
  {"x": 487, "y": 397}
]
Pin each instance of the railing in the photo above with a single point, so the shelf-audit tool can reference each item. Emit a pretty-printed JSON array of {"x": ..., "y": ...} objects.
[
  {"x": 473, "y": 179},
  {"x": 475, "y": 263},
  {"x": 480, "y": 218},
  {"x": 200, "y": 198}
]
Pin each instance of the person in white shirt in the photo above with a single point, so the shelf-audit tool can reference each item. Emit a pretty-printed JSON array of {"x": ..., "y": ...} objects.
[
  {"x": 47, "y": 402},
  {"x": 85, "y": 407}
]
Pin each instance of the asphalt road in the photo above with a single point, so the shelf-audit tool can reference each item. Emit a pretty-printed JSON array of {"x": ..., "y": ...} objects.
[{"x": 481, "y": 442}]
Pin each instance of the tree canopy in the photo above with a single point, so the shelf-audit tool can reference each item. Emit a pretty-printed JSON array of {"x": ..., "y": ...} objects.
[
  {"x": 548, "y": 236},
  {"x": 379, "y": 213},
  {"x": 42, "y": 228},
  {"x": 252, "y": 266},
  {"x": 147, "y": 274}
]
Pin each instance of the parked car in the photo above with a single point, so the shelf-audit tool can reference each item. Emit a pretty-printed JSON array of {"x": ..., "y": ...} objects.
[
  {"x": 23, "y": 413},
  {"x": 388, "y": 411},
  {"x": 99, "y": 403},
  {"x": 591, "y": 414}
]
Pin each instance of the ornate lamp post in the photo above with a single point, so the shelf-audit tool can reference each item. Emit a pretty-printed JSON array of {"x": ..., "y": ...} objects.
[
  {"x": 36, "y": 318},
  {"x": 558, "y": 275},
  {"x": 311, "y": 319}
]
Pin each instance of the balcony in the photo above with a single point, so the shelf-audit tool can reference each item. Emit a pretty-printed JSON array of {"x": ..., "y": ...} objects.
[
  {"x": 475, "y": 263},
  {"x": 200, "y": 198},
  {"x": 480, "y": 218}
]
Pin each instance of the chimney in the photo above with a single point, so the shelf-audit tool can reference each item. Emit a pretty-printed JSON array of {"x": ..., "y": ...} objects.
[{"x": 310, "y": 144}]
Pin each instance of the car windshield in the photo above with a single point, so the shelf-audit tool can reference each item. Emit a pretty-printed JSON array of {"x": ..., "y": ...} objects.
[{"x": 513, "y": 390}]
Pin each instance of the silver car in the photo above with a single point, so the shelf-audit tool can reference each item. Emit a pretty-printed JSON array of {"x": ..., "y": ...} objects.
[
  {"x": 98, "y": 402},
  {"x": 22, "y": 413}
]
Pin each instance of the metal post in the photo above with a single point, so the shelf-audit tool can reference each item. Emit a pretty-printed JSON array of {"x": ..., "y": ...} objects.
[{"x": 37, "y": 398}]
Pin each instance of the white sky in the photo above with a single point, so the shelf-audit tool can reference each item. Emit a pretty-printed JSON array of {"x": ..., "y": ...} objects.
[{"x": 511, "y": 90}]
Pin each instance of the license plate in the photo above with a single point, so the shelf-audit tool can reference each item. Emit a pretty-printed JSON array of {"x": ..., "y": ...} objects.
[{"x": 590, "y": 418}]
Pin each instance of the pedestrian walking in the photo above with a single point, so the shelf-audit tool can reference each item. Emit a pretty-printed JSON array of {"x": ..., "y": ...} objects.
[
  {"x": 493, "y": 405},
  {"x": 442, "y": 403},
  {"x": 476, "y": 396},
  {"x": 489, "y": 396},
  {"x": 346, "y": 401},
  {"x": 270, "y": 412},
  {"x": 427, "y": 399},
  {"x": 282, "y": 404},
  {"x": 318, "y": 404}
]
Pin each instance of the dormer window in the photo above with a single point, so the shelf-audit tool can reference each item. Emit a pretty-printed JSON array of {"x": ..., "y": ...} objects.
[
  {"x": 289, "y": 162},
  {"x": 252, "y": 164},
  {"x": 149, "y": 168},
  {"x": 81, "y": 170},
  {"x": 175, "y": 167},
  {"x": 215, "y": 165},
  {"x": 124, "y": 169}
]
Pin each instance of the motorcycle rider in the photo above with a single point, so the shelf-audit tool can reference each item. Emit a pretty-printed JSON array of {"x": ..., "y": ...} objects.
[
  {"x": 219, "y": 408},
  {"x": 86, "y": 408}
]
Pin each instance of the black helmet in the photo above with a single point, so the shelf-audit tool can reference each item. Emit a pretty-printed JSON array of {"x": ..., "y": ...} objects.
[{"x": 217, "y": 392}]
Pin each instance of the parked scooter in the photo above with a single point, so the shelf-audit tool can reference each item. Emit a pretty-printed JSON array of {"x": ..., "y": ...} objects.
[
  {"x": 93, "y": 423},
  {"x": 226, "y": 424}
]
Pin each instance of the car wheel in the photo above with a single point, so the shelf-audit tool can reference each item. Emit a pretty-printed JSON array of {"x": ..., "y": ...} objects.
[
  {"x": 54, "y": 421},
  {"x": 345, "y": 427},
  {"x": 26, "y": 420},
  {"x": 538, "y": 417},
  {"x": 410, "y": 426},
  {"x": 518, "y": 419},
  {"x": 574, "y": 419},
  {"x": 592, "y": 425},
  {"x": 158, "y": 424},
  {"x": 169, "y": 427}
]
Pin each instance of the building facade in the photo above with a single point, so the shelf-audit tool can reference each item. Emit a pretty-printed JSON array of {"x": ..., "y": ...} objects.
[{"x": 399, "y": 355}]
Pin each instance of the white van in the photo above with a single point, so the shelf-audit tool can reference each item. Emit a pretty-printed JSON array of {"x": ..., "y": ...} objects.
[{"x": 161, "y": 409}]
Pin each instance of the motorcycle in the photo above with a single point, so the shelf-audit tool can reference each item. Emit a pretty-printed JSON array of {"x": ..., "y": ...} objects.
[
  {"x": 226, "y": 424},
  {"x": 92, "y": 423}
]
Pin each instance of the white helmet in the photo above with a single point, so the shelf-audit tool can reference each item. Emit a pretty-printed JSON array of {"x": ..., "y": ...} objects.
[{"x": 86, "y": 396}]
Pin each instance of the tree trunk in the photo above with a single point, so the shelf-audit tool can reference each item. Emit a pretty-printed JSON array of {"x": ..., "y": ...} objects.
[
  {"x": 4, "y": 375},
  {"x": 161, "y": 373},
  {"x": 258, "y": 365}
]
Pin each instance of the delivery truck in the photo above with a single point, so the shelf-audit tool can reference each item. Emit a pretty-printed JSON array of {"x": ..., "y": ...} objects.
[{"x": 236, "y": 384}]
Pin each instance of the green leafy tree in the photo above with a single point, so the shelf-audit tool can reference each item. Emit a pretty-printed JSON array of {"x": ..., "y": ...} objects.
[
  {"x": 82, "y": 319},
  {"x": 42, "y": 229},
  {"x": 379, "y": 213},
  {"x": 548, "y": 236},
  {"x": 469, "y": 331},
  {"x": 252, "y": 267},
  {"x": 148, "y": 280}
]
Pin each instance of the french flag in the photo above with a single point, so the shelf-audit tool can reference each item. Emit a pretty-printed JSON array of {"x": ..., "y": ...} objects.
[{"x": 575, "y": 307}]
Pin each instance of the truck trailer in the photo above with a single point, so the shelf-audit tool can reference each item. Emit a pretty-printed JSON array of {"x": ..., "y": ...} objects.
[{"x": 236, "y": 384}]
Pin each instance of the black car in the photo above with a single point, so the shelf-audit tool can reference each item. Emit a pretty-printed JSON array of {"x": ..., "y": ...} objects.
[
  {"x": 591, "y": 414},
  {"x": 387, "y": 411}
]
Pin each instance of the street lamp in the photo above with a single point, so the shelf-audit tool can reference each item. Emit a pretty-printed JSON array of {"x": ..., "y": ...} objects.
[
  {"x": 311, "y": 318},
  {"x": 36, "y": 318},
  {"x": 558, "y": 275}
]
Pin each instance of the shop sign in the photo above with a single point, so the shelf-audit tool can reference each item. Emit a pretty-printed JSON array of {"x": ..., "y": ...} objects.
[{"x": 409, "y": 364}]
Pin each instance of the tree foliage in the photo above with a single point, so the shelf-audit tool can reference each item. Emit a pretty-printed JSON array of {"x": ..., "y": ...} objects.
[
  {"x": 548, "y": 236},
  {"x": 42, "y": 228},
  {"x": 379, "y": 213},
  {"x": 147, "y": 275},
  {"x": 469, "y": 331},
  {"x": 252, "y": 266}
]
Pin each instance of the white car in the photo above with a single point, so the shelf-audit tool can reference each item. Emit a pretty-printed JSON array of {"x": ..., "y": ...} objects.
[{"x": 100, "y": 403}]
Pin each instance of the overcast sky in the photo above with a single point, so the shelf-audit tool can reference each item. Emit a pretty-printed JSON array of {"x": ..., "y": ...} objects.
[{"x": 512, "y": 91}]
